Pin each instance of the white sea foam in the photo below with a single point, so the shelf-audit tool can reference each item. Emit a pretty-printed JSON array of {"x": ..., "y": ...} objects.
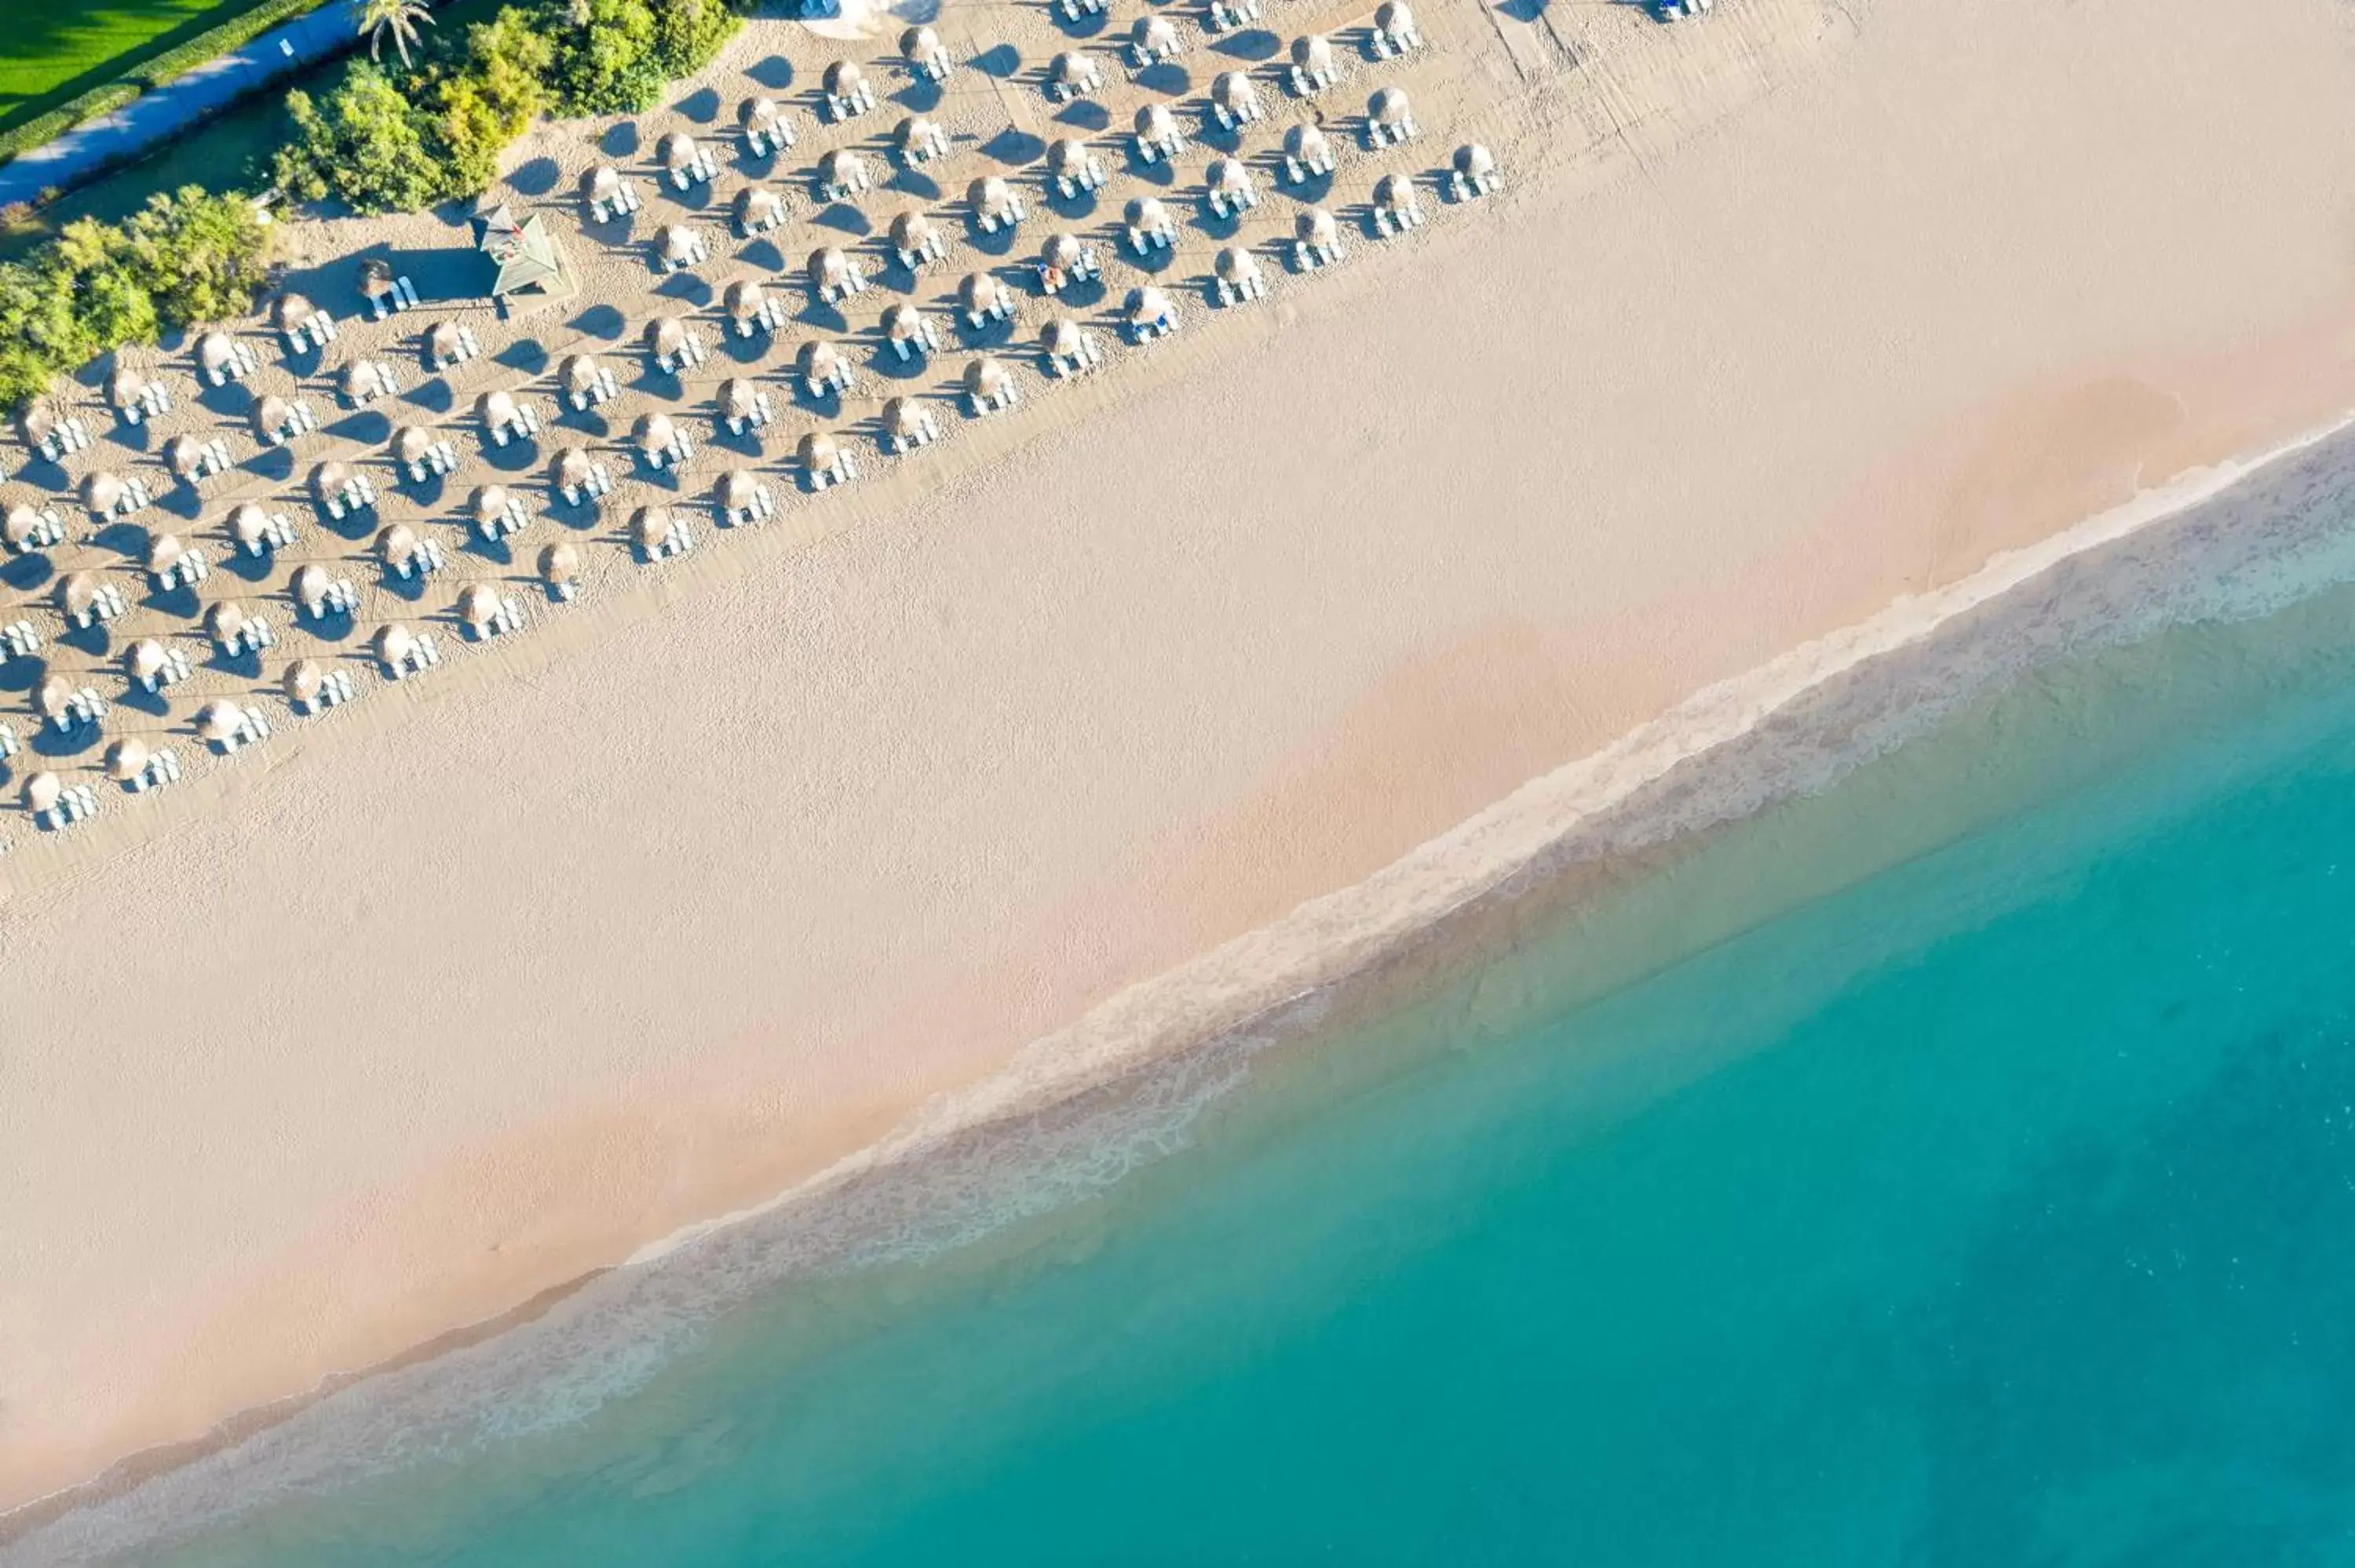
[{"x": 1078, "y": 1110}]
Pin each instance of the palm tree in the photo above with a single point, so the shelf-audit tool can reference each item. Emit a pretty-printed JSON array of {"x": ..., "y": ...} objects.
[{"x": 397, "y": 17}]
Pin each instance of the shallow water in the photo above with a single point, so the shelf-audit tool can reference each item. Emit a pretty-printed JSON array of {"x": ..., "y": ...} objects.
[{"x": 1989, "y": 1209}]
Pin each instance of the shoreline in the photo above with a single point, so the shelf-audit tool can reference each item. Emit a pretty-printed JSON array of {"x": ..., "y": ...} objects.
[
  {"x": 1177, "y": 854},
  {"x": 1554, "y": 851}
]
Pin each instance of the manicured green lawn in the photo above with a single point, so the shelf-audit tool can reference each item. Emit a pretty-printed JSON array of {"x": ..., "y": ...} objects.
[{"x": 52, "y": 50}]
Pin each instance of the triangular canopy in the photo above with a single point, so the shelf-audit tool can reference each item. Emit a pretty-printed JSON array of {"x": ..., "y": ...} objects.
[{"x": 526, "y": 253}]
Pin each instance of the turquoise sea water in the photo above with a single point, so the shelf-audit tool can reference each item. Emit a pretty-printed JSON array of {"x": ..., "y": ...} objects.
[{"x": 1996, "y": 1207}]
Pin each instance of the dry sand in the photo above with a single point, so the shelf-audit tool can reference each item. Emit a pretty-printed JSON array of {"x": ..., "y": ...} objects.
[{"x": 723, "y": 872}]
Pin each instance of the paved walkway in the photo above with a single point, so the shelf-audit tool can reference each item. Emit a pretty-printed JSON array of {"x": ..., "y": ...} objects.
[{"x": 155, "y": 116}]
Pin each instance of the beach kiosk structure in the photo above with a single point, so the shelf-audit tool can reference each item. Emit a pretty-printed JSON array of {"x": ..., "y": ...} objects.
[{"x": 525, "y": 256}]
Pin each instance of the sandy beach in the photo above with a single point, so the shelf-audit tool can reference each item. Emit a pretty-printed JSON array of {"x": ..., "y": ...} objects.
[{"x": 484, "y": 983}]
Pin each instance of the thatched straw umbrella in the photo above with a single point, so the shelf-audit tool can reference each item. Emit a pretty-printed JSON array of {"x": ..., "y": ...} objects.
[
  {"x": 490, "y": 502},
  {"x": 249, "y": 526},
  {"x": 818, "y": 452},
  {"x": 35, "y": 424},
  {"x": 830, "y": 270},
  {"x": 310, "y": 586},
  {"x": 395, "y": 545},
  {"x": 292, "y": 311},
  {"x": 649, "y": 525},
  {"x": 496, "y": 408},
  {"x": 376, "y": 277},
  {"x": 394, "y": 642},
  {"x": 16, "y": 529},
  {"x": 52, "y": 697},
  {"x": 1388, "y": 106},
  {"x": 304, "y": 680},
  {"x": 163, "y": 552},
  {"x": 678, "y": 244},
  {"x": 361, "y": 381},
  {"x": 990, "y": 197},
  {"x": 903, "y": 324},
  {"x": 184, "y": 455},
  {"x": 272, "y": 415},
  {"x": 1233, "y": 92},
  {"x": 666, "y": 336},
  {"x": 1156, "y": 124},
  {"x": 219, "y": 720},
  {"x": 1072, "y": 70},
  {"x": 920, "y": 46},
  {"x": 216, "y": 352},
  {"x": 1475, "y": 161},
  {"x": 1235, "y": 265},
  {"x": 568, "y": 468},
  {"x": 842, "y": 169},
  {"x": 653, "y": 432},
  {"x": 444, "y": 342},
  {"x": 1067, "y": 156},
  {"x": 980, "y": 293},
  {"x": 903, "y": 419},
  {"x": 758, "y": 113},
  {"x": 819, "y": 361},
  {"x": 579, "y": 373},
  {"x": 912, "y": 231},
  {"x": 478, "y": 605},
  {"x": 987, "y": 378},
  {"x": 1394, "y": 193},
  {"x": 328, "y": 480},
  {"x": 42, "y": 791},
  {"x": 758, "y": 205},
  {"x": 1312, "y": 53},
  {"x": 1146, "y": 306},
  {"x": 736, "y": 489},
  {"x": 1227, "y": 177},
  {"x": 560, "y": 563},
  {"x": 1305, "y": 143},
  {"x": 103, "y": 492},
  {"x": 1392, "y": 16},
  {"x": 1315, "y": 227},
  {"x": 842, "y": 79},
  {"x": 1153, "y": 36},
  {"x": 122, "y": 388},
  {"x": 76, "y": 594},
  {"x": 126, "y": 760},
  {"x": 737, "y": 399},
  {"x": 913, "y": 136},
  {"x": 1061, "y": 338},
  {"x": 601, "y": 183},
  {"x": 1146, "y": 214},
  {"x": 410, "y": 443},
  {"x": 743, "y": 298},
  {"x": 676, "y": 151},
  {"x": 224, "y": 619},
  {"x": 145, "y": 659}
]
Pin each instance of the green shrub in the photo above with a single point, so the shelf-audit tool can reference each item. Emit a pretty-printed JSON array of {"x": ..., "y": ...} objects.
[
  {"x": 185, "y": 257},
  {"x": 605, "y": 61},
  {"x": 365, "y": 144}
]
